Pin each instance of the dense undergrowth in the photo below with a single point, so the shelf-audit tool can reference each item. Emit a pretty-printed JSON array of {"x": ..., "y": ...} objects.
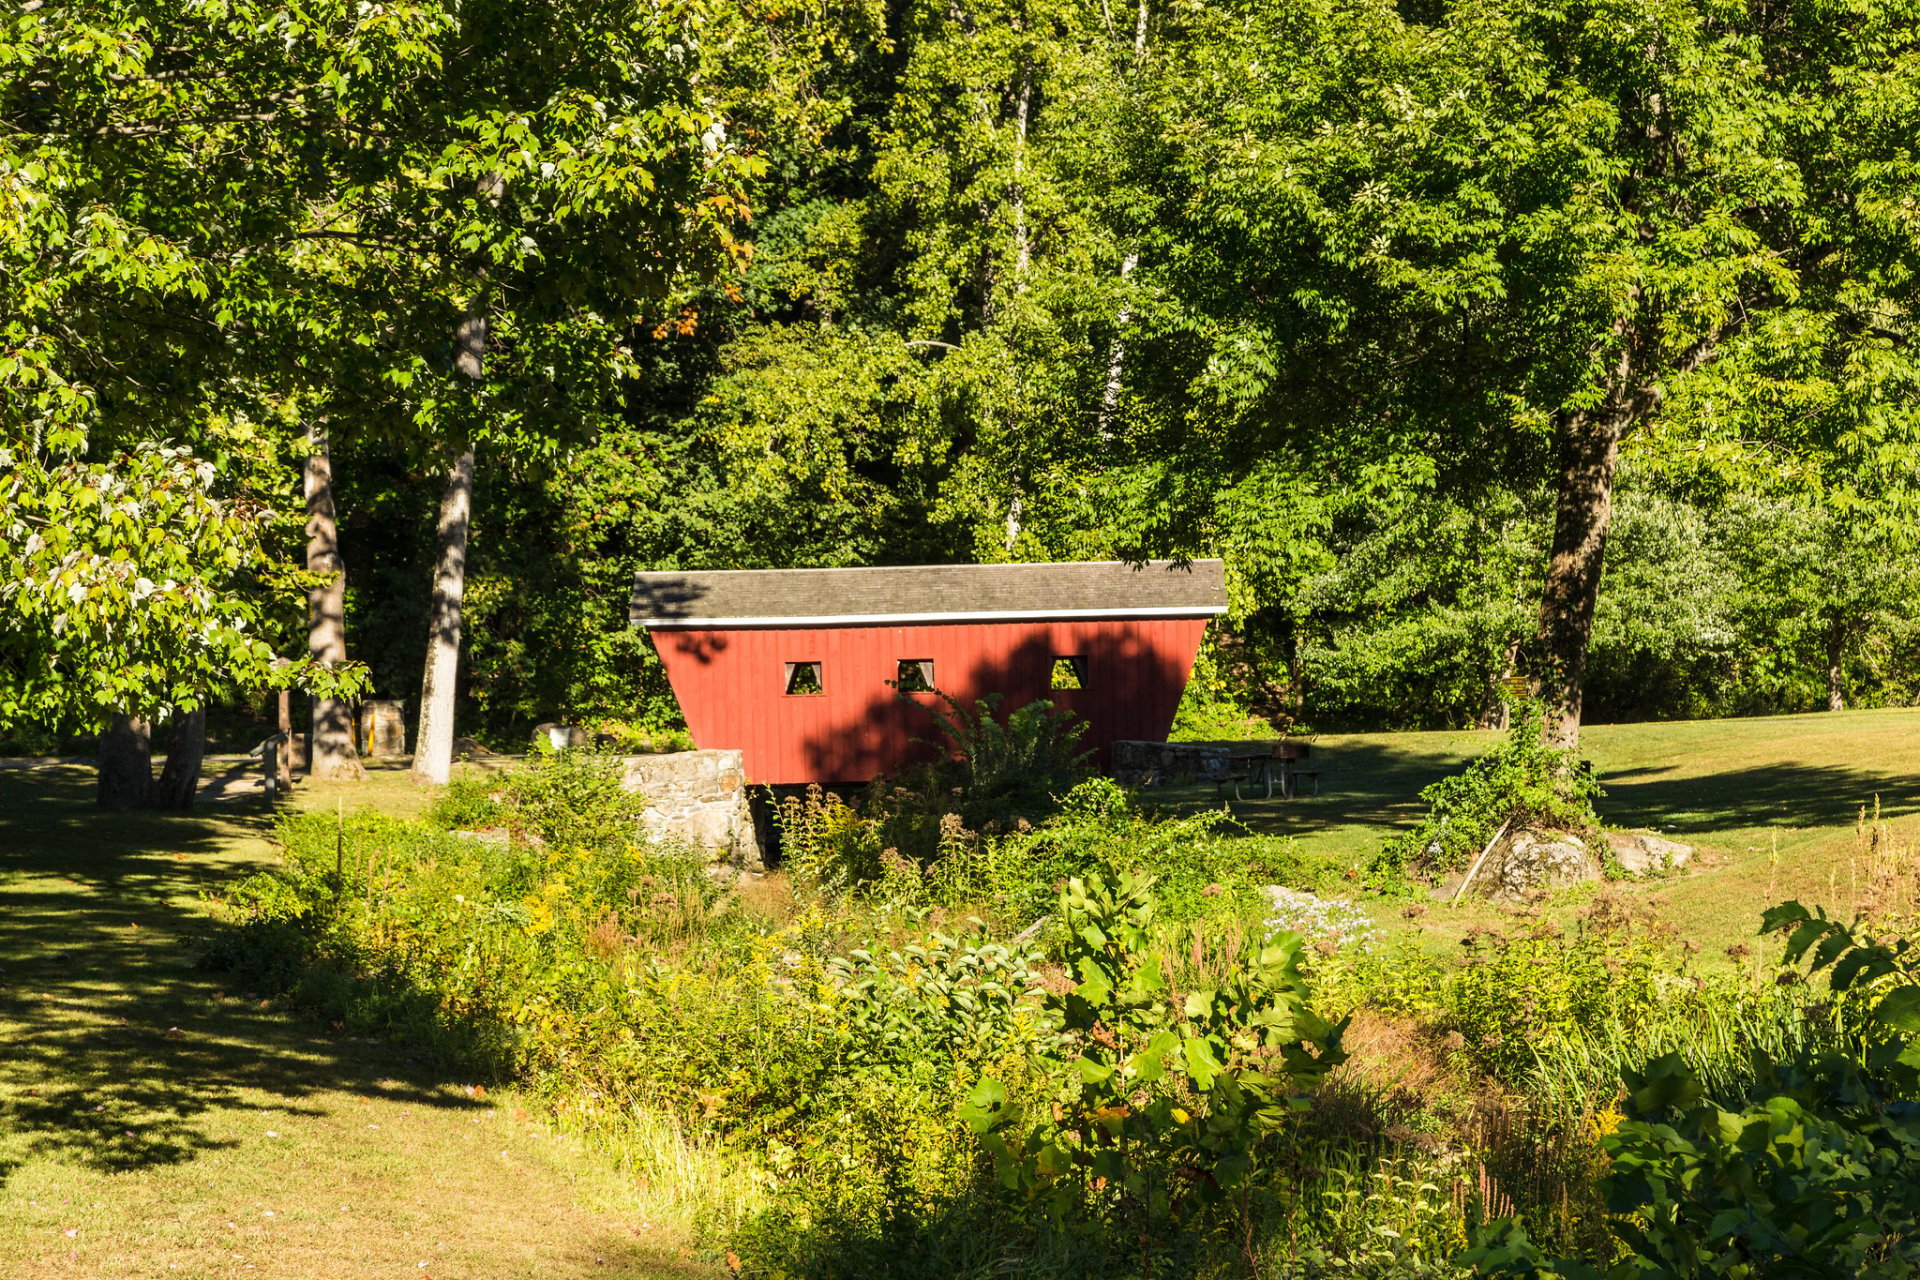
[{"x": 1083, "y": 1040}]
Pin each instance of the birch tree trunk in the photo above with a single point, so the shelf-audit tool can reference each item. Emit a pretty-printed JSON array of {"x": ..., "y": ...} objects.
[
  {"x": 1117, "y": 350},
  {"x": 1117, "y": 355},
  {"x": 1022, "y": 241},
  {"x": 331, "y": 755},
  {"x": 433, "y": 745},
  {"x": 433, "y": 741},
  {"x": 126, "y": 765}
]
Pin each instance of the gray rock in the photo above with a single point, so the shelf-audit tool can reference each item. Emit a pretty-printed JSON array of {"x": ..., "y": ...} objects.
[
  {"x": 1530, "y": 859},
  {"x": 1155, "y": 764},
  {"x": 1641, "y": 854}
]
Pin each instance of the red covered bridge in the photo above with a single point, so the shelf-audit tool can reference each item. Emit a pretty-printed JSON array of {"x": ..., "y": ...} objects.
[{"x": 798, "y": 668}]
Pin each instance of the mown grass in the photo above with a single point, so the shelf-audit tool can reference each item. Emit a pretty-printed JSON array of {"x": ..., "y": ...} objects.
[
  {"x": 1772, "y": 804},
  {"x": 155, "y": 1120}
]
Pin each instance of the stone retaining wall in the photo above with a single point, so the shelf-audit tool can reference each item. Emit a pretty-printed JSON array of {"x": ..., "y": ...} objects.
[
  {"x": 1154, "y": 764},
  {"x": 699, "y": 797}
]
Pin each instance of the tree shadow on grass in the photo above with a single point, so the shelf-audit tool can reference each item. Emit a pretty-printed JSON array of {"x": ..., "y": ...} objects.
[
  {"x": 1378, "y": 785},
  {"x": 118, "y": 1046},
  {"x": 1361, "y": 784},
  {"x": 1783, "y": 795}
]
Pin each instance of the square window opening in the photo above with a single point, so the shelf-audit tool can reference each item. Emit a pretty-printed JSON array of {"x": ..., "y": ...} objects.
[
  {"x": 1070, "y": 673},
  {"x": 803, "y": 680},
  {"x": 914, "y": 675}
]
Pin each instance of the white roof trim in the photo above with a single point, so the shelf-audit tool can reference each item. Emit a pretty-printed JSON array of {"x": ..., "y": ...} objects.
[{"x": 881, "y": 619}]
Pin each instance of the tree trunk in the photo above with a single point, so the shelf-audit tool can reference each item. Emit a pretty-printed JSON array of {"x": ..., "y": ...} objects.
[
  {"x": 1022, "y": 246},
  {"x": 1836, "y": 671},
  {"x": 283, "y": 725},
  {"x": 1589, "y": 445},
  {"x": 125, "y": 764},
  {"x": 1497, "y": 713},
  {"x": 330, "y": 750},
  {"x": 180, "y": 778},
  {"x": 1117, "y": 349},
  {"x": 433, "y": 745}
]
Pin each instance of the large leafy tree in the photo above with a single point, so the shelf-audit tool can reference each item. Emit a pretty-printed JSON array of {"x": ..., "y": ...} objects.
[
  {"x": 498, "y": 211},
  {"x": 444, "y": 222},
  {"x": 1514, "y": 238},
  {"x": 138, "y": 560}
]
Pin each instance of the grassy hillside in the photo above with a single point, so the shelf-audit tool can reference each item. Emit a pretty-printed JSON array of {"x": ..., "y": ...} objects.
[{"x": 1773, "y": 804}]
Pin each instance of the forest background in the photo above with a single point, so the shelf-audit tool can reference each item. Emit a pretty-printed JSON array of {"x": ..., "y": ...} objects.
[{"x": 1406, "y": 311}]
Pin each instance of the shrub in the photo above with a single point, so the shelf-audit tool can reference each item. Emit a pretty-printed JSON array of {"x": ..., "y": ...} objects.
[
  {"x": 1025, "y": 759},
  {"x": 891, "y": 846},
  {"x": 1561, "y": 1015},
  {"x": 1206, "y": 862},
  {"x": 827, "y": 843},
  {"x": 470, "y": 802},
  {"x": 1158, "y": 1103},
  {"x": 1816, "y": 1175},
  {"x": 576, "y": 797},
  {"x": 944, "y": 998},
  {"x": 1522, "y": 782}
]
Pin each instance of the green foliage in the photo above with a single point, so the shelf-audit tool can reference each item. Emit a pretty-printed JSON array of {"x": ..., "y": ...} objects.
[
  {"x": 1811, "y": 1172},
  {"x": 1158, "y": 1104},
  {"x": 1520, "y": 782},
  {"x": 1561, "y": 1015},
  {"x": 1814, "y": 1177},
  {"x": 1030, "y": 755},
  {"x": 944, "y": 997},
  {"x": 911, "y": 844},
  {"x": 138, "y": 585},
  {"x": 571, "y": 797},
  {"x": 1215, "y": 705},
  {"x": 470, "y": 802},
  {"x": 827, "y": 843},
  {"x": 1198, "y": 863}
]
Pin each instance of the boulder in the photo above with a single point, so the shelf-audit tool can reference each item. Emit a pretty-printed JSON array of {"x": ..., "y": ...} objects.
[
  {"x": 1531, "y": 859},
  {"x": 1642, "y": 854}
]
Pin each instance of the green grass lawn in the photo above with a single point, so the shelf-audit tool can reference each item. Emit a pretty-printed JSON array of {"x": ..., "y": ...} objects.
[
  {"x": 1771, "y": 803},
  {"x": 154, "y": 1119}
]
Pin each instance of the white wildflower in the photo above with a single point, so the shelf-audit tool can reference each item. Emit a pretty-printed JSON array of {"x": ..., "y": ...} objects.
[{"x": 1335, "y": 920}]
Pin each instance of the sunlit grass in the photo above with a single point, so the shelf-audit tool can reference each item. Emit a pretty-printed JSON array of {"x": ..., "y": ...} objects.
[
  {"x": 156, "y": 1119},
  {"x": 1772, "y": 804}
]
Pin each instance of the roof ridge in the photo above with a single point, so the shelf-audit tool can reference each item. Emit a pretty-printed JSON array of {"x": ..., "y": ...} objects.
[{"x": 895, "y": 568}]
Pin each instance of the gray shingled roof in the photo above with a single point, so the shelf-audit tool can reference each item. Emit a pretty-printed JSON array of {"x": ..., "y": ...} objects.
[{"x": 929, "y": 592}]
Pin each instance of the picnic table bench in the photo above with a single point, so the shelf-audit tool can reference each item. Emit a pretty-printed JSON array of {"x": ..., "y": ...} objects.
[{"x": 1280, "y": 763}]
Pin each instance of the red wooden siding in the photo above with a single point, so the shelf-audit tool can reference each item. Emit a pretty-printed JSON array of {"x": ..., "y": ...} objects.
[{"x": 731, "y": 685}]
